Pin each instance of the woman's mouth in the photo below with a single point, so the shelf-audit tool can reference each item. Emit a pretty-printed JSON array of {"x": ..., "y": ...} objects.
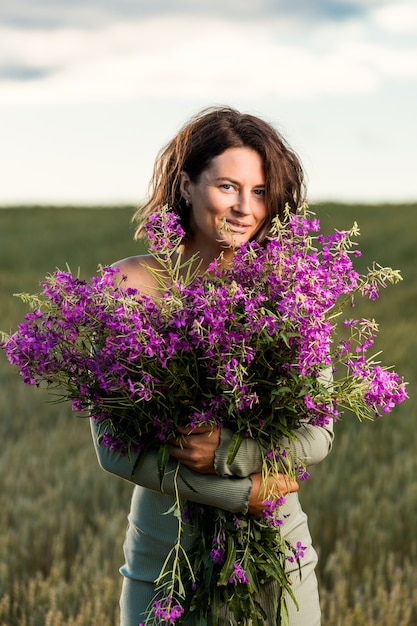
[{"x": 235, "y": 226}]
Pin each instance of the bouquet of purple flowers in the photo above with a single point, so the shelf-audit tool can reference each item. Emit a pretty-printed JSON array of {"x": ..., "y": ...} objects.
[{"x": 242, "y": 346}]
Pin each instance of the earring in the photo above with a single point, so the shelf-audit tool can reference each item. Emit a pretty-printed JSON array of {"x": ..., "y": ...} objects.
[{"x": 187, "y": 202}]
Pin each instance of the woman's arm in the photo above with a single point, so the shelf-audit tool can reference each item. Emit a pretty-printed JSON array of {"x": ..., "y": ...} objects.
[
  {"x": 312, "y": 445},
  {"x": 233, "y": 494},
  {"x": 206, "y": 450}
]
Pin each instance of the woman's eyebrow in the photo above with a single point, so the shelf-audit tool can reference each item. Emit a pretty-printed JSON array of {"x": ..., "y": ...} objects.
[{"x": 235, "y": 182}]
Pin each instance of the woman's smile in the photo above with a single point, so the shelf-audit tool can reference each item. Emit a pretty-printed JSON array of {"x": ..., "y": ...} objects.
[{"x": 238, "y": 227}]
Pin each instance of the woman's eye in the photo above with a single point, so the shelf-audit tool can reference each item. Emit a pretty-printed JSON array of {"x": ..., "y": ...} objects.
[
  {"x": 227, "y": 186},
  {"x": 259, "y": 192}
]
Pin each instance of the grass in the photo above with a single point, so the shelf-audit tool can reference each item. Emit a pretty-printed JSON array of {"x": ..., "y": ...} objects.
[{"x": 62, "y": 519}]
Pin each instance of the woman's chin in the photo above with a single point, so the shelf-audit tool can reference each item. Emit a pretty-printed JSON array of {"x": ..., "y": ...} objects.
[{"x": 233, "y": 239}]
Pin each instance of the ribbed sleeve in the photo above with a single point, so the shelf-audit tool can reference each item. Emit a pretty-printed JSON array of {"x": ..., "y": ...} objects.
[
  {"x": 311, "y": 446},
  {"x": 231, "y": 494}
]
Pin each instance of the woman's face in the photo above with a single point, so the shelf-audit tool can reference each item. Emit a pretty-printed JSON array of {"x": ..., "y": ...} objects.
[{"x": 227, "y": 202}]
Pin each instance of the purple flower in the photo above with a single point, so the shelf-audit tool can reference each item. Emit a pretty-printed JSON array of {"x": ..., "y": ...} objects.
[
  {"x": 298, "y": 552},
  {"x": 371, "y": 290},
  {"x": 239, "y": 575},
  {"x": 271, "y": 510},
  {"x": 163, "y": 229},
  {"x": 167, "y": 611},
  {"x": 218, "y": 555},
  {"x": 302, "y": 473}
]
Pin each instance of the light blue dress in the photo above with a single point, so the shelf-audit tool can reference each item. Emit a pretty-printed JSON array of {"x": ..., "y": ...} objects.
[{"x": 151, "y": 533}]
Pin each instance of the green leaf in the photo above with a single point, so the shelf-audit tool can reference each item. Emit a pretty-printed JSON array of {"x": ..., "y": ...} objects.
[
  {"x": 234, "y": 447},
  {"x": 252, "y": 574},
  {"x": 228, "y": 568},
  {"x": 163, "y": 458}
]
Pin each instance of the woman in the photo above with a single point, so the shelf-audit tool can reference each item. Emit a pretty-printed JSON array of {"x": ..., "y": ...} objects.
[{"x": 226, "y": 175}]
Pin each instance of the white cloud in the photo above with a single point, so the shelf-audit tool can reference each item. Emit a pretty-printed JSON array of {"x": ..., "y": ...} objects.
[
  {"x": 397, "y": 18},
  {"x": 387, "y": 61},
  {"x": 187, "y": 58}
]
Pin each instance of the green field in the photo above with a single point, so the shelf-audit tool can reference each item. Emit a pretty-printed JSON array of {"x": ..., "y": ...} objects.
[{"x": 62, "y": 519}]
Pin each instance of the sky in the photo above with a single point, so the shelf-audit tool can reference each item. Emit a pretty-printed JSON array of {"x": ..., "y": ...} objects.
[{"x": 90, "y": 90}]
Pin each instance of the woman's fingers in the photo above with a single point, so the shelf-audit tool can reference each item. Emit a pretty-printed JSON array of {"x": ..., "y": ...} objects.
[
  {"x": 276, "y": 486},
  {"x": 201, "y": 429},
  {"x": 196, "y": 448},
  {"x": 283, "y": 484}
]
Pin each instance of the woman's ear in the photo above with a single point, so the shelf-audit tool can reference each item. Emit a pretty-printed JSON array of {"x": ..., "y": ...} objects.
[{"x": 185, "y": 186}]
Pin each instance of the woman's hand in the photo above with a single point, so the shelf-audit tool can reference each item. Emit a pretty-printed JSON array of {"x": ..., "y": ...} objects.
[
  {"x": 276, "y": 486},
  {"x": 195, "y": 448}
]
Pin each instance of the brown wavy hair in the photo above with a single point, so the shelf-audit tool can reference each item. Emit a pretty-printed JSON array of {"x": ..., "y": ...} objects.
[{"x": 209, "y": 134}]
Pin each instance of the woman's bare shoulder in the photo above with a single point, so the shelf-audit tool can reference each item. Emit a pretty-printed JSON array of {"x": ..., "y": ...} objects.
[
  {"x": 134, "y": 272},
  {"x": 134, "y": 263}
]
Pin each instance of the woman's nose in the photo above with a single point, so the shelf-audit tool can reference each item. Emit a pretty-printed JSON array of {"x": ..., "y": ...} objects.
[{"x": 244, "y": 203}]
